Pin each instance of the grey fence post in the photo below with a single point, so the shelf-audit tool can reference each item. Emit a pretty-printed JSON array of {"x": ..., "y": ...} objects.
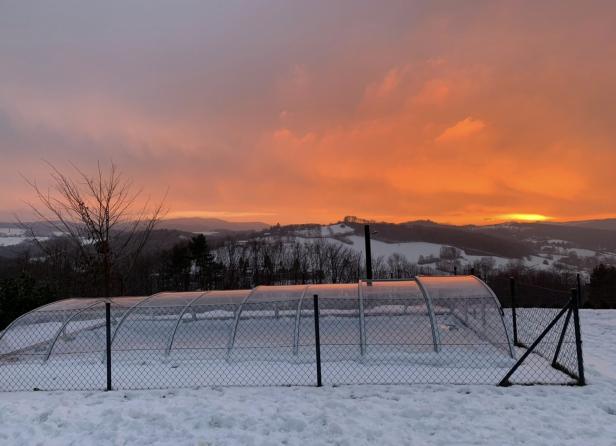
[
  {"x": 368, "y": 254},
  {"x": 108, "y": 343},
  {"x": 561, "y": 339},
  {"x": 578, "y": 336},
  {"x": 317, "y": 339}
]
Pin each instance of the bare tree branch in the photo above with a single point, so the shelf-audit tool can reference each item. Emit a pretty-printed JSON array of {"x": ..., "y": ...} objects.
[{"x": 99, "y": 214}]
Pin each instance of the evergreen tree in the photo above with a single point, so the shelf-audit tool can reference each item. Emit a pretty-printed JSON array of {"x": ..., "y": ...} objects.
[
  {"x": 602, "y": 289},
  {"x": 204, "y": 262}
]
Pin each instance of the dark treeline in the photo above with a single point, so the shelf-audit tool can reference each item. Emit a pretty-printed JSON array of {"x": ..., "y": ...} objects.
[
  {"x": 544, "y": 288},
  {"x": 196, "y": 263}
]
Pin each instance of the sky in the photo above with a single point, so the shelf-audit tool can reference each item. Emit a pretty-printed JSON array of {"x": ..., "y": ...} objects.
[{"x": 292, "y": 112}]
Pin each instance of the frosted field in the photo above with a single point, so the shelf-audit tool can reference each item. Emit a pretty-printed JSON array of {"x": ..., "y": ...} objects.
[{"x": 351, "y": 415}]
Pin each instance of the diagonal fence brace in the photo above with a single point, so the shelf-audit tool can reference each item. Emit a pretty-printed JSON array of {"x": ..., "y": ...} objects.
[
  {"x": 505, "y": 381},
  {"x": 562, "y": 337}
]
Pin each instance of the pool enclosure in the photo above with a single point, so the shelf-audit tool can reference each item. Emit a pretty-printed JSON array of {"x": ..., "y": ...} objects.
[{"x": 428, "y": 329}]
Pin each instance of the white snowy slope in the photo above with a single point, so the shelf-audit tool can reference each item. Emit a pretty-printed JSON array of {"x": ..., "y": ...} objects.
[
  {"x": 410, "y": 250},
  {"x": 11, "y": 241},
  {"x": 352, "y": 415},
  {"x": 552, "y": 251}
]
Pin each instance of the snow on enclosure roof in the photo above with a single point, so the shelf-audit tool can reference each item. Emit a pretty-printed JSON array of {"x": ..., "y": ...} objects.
[{"x": 425, "y": 314}]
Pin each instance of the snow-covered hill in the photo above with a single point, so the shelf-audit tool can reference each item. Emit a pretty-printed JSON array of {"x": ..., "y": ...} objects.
[
  {"x": 551, "y": 253},
  {"x": 349, "y": 415}
]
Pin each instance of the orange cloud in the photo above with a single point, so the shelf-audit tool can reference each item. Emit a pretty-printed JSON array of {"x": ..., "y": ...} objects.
[
  {"x": 405, "y": 112},
  {"x": 433, "y": 92},
  {"x": 461, "y": 130},
  {"x": 387, "y": 86}
]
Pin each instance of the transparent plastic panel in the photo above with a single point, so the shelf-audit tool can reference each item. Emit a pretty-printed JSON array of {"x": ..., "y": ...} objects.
[
  {"x": 469, "y": 318},
  {"x": 265, "y": 325},
  {"x": 171, "y": 299},
  {"x": 334, "y": 291},
  {"x": 397, "y": 320},
  {"x": 207, "y": 325},
  {"x": 206, "y": 328},
  {"x": 29, "y": 358},
  {"x": 147, "y": 327},
  {"x": 442, "y": 287},
  {"x": 84, "y": 333},
  {"x": 339, "y": 321},
  {"x": 222, "y": 297},
  {"x": 126, "y": 302},
  {"x": 30, "y": 336},
  {"x": 277, "y": 293},
  {"x": 75, "y": 303},
  {"x": 266, "y": 320}
]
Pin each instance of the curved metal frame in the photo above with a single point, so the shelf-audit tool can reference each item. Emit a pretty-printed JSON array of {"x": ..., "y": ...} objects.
[
  {"x": 232, "y": 335},
  {"x": 177, "y": 324},
  {"x": 55, "y": 339},
  {"x": 231, "y": 342},
  {"x": 435, "y": 333},
  {"x": 498, "y": 306},
  {"x": 5, "y": 331},
  {"x": 129, "y": 311},
  {"x": 298, "y": 316}
]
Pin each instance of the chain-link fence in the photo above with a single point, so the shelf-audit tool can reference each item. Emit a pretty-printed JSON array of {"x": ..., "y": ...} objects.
[
  {"x": 543, "y": 322},
  {"x": 55, "y": 349},
  {"x": 380, "y": 333}
]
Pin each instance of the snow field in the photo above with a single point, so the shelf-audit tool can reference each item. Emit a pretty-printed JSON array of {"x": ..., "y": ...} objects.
[{"x": 349, "y": 415}]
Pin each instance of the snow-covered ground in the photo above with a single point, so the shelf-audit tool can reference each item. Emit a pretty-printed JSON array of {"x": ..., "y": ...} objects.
[
  {"x": 410, "y": 250},
  {"x": 350, "y": 415},
  {"x": 11, "y": 241},
  {"x": 552, "y": 252},
  {"x": 12, "y": 236}
]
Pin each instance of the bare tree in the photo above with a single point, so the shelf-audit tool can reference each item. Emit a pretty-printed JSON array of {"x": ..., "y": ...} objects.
[{"x": 101, "y": 214}]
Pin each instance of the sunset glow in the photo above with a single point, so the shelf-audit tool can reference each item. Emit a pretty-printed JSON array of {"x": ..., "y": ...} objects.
[
  {"x": 524, "y": 217},
  {"x": 455, "y": 112}
]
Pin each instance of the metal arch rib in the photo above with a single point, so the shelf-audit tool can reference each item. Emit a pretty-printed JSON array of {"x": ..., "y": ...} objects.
[
  {"x": 237, "y": 319},
  {"x": 5, "y": 331},
  {"x": 177, "y": 324},
  {"x": 298, "y": 316},
  {"x": 498, "y": 306},
  {"x": 129, "y": 311},
  {"x": 362, "y": 321},
  {"x": 435, "y": 333},
  {"x": 55, "y": 339}
]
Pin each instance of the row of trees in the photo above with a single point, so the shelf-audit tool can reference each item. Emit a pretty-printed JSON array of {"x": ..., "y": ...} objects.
[
  {"x": 195, "y": 264},
  {"x": 602, "y": 288},
  {"x": 233, "y": 263}
]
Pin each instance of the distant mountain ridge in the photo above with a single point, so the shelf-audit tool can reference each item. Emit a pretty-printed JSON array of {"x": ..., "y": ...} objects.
[
  {"x": 605, "y": 223},
  {"x": 199, "y": 224},
  {"x": 193, "y": 224}
]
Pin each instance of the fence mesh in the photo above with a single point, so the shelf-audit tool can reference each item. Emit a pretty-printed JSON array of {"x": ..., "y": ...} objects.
[
  {"x": 383, "y": 336},
  {"x": 554, "y": 360},
  {"x": 55, "y": 350}
]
